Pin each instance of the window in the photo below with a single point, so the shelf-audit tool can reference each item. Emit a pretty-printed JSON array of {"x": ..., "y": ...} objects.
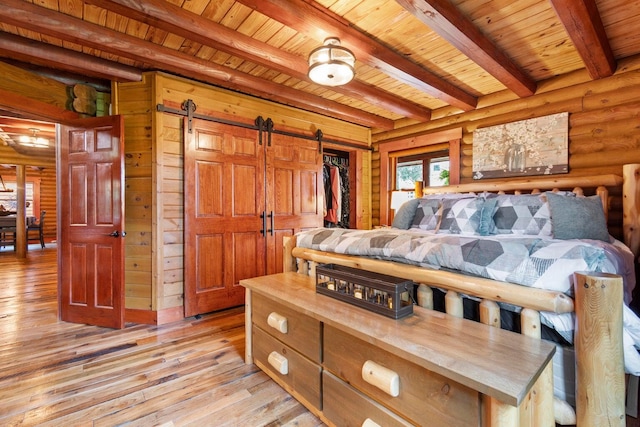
[
  {"x": 32, "y": 194},
  {"x": 407, "y": 173},
  {"x": 430, "y": 168},
  {"x": 392, "y": 150}
]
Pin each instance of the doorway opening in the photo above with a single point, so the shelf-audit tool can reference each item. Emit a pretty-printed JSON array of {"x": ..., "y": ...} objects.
[{"x": 31, "y": 167}]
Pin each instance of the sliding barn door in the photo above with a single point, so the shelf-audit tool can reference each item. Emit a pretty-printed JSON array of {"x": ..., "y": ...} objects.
[
  {"x": 224, "y": 201},
  {"x": 294, "y": 200}
]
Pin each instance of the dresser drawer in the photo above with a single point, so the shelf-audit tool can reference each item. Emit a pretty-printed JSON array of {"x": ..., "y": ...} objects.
[
  {"x": 423, "y": 397},
  {"x": 345, "y": 406},
  {"x": 297, "y": 374},
  {"x": 292, "y": 328}
]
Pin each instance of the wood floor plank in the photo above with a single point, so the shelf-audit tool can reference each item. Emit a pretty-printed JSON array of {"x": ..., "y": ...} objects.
[
  {"x": 217, "y": 395},
  {"x": 190, "y": 372}
]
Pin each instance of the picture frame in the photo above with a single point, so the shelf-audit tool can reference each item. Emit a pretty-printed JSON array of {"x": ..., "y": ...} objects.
[{"x": 538, "y": 146}]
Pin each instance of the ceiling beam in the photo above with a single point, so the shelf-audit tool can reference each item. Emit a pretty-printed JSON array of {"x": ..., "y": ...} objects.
[
  {"x": 174, "y": 19},
  {"x": 39, "y": 19},
  {"x": 447, "y": 21},
  {"x": 319, "y": 23},
  {"x": 46, "y": 55},
  {"x": 582, "y": 21},
  {"x": 35, "y": 109}
]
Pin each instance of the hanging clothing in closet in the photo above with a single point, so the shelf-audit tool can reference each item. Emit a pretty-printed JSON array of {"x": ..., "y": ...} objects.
[
  {"x": 336, "y": 187},
  {"x": 332, "y": 193},
  {"x": 345, "y": 207}
]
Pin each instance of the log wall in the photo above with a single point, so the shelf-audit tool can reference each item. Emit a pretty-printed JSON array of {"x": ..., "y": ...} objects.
[
  {"x": 33, "y": 86},
  {"x": 604, "y": 124}
]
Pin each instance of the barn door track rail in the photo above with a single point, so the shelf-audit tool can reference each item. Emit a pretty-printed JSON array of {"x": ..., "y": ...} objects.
[{"x": 188, "y": 109}]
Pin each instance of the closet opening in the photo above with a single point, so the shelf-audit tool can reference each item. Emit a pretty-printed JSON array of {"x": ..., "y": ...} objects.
[{"x": 339, "y": 188}]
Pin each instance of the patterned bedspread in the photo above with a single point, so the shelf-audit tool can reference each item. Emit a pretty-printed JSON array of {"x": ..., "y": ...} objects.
[{"x": 543, "y": 263}]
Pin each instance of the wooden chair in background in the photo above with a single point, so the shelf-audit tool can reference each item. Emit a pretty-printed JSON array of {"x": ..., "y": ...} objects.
[{"x": 38, "y": 227}]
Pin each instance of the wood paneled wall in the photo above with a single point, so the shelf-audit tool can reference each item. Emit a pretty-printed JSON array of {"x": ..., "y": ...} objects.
[
  {"x": 604, "y": 122},
  {"x": 154, "y": 176},
  {"x": 134, "y": 102}
]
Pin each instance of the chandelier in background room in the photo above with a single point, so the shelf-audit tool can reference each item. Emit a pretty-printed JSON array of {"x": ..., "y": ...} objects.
[
  {"x": 33, "y": 140},
  {"x": 331, "y": 64}
]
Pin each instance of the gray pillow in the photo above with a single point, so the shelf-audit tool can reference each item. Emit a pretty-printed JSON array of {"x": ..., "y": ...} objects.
[
  {"x": 404, "y": 217},
  {"x": 486, "y": 217},
  {"x": 577, "y": 217}
]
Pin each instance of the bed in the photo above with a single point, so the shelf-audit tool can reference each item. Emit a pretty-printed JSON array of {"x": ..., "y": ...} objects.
[{"x": 537, "y": 250}]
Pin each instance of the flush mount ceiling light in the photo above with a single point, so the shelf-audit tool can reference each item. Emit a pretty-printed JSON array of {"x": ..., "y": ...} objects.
[
  {"x": 331, "y": 64},
  {"x": 34, "y": 140}
]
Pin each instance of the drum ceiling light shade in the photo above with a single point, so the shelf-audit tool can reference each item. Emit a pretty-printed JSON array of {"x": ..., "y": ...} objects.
[{"x": 331, "y": 64}]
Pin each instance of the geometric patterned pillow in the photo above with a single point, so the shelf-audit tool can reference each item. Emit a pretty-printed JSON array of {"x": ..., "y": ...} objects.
[
  {"x": 427, "y": 214},
  {"x": 461, "y": 216},
  {"x": 521, "y": 214}
]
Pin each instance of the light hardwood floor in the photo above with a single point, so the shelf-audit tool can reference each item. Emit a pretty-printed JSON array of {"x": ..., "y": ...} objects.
[{"x": 190, "y": 372}]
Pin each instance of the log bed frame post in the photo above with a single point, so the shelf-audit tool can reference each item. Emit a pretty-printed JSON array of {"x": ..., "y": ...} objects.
[
  {"x": 598, "y": 345},
  {"x": 631, "y": 207},
  {"x": 600, "y": 384}
]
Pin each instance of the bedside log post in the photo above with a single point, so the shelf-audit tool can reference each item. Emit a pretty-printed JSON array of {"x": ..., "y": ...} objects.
[
  {"x": 288, "y": 261},
  {"x": 631, "y": 207},
  {"x": 600, "y": 385}
]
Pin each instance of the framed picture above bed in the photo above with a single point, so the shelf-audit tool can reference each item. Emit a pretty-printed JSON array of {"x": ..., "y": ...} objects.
[{"x": 538, "y": 146}]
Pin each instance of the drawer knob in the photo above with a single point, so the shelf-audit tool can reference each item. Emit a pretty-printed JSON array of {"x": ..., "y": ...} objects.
[
  {"x": 383, "y": 378},
  {"x": 278, "y": 322},
  {"x": 370, "y": 423},
  {"x": 278, "y": 362}
]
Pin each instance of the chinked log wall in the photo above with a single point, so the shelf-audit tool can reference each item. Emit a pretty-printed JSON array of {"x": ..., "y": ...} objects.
[
  {"x": 604, "y": 125},
  {"x": 47, "y": 177},
  {"x": 154, "y": 210}
]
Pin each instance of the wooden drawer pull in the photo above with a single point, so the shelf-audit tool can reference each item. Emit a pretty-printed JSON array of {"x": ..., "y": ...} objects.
[
  {"x": 279, "y": 362},
  {"x": 278, "y": 322},
  {"x": 381, "y": 377},
  {"x": 370, "y": 423}
]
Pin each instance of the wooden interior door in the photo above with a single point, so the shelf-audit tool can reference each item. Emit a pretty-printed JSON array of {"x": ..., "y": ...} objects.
[
  {"x": 294, "y": 199},
  {"x": 90, "y": 222},
  {"x": 224, "y": 202}
]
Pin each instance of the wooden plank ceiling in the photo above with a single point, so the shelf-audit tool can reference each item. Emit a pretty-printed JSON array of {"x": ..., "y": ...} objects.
[{"x": 414, "y": 57}]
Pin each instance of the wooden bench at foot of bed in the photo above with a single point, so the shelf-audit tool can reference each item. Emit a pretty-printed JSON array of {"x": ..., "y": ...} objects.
[{"x": 347, "y": 364}]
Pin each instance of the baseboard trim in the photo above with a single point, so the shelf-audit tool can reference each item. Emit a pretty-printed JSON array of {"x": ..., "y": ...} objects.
[{"x": 149, "y": 317}]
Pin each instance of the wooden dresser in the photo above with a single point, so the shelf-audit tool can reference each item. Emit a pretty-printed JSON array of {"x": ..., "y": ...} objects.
[{"x": 352, "y": 367}]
